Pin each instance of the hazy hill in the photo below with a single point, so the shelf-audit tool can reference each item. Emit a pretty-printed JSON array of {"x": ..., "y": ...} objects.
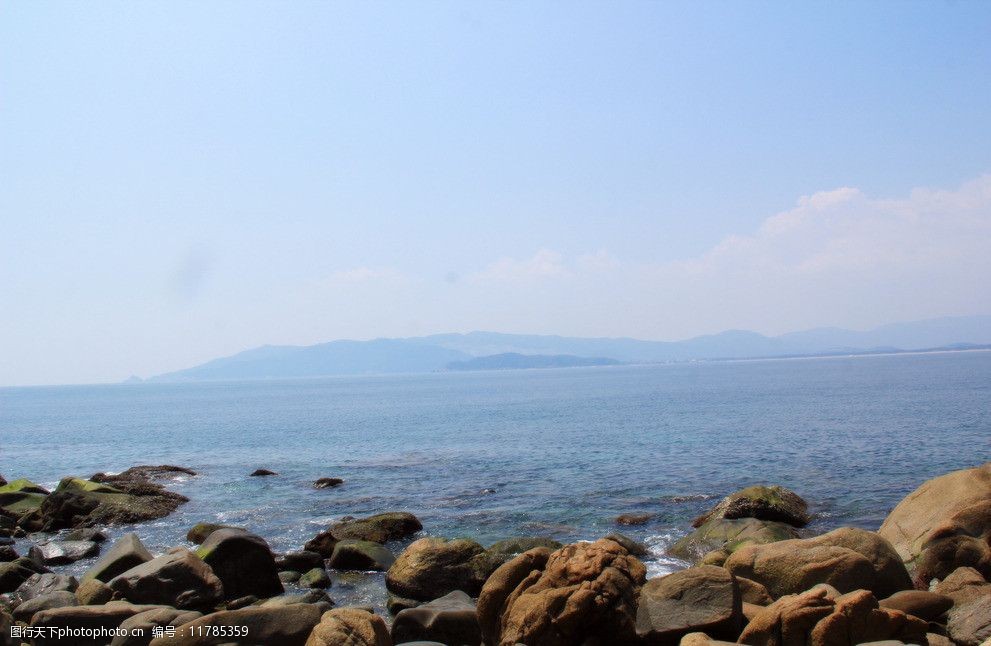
[
  {"x": 514, "y": 360},
  {"x": 435, "y": 352}
]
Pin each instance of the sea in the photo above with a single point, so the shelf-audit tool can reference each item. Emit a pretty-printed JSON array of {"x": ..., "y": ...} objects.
[{"x": 501, "y": 454}]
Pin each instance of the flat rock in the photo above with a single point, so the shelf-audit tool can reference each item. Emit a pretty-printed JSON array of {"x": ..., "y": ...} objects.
[
  {"x": 451, "y": 619},
  {"x": 63, "y": 552},
  {"x": 126, "y": 553},
  {"x": 46, "y": 583},
  {"x": 59, "y": 599}
]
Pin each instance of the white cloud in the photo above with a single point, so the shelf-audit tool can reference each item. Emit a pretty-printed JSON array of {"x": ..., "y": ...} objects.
[{"x": 543, "y": 265}]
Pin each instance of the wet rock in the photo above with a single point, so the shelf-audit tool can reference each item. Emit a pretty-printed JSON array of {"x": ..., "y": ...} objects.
[
  {"x": 59, "y": 599},
  {"x": 201, "y": 531},
  {"x": 581, "y": 591},
  {"x": 243, "y": 562},
  {"x": 313, "y": 597},
  {"x": 846, "y": 558},
  {"x": 700, "y": 599},
  {"x": 93, "y": 592},
  {"x": 350, "y": 627},
  {"x": 816, "y": 619},
  {"x": 6, "y": 621},
  {"x": 262, "y": 472},
  {"x": 85, "y": 534},
  {"x": 288, "y": 625},
  {"x": 40, "y": 584},
  {"x": 761, "y": 502},
  {"x": 178, "y": 579},
  {"x": 730, "y": 535},
  {"x": 327, "y": 483},
  {"x": 432, "y": 567},
  {"x": 145, "y": 473},
  {"x": 969, "y": 624},
  {"x": 126, "y": 553},
  {"x": 450, "y": 619},
  {"x": 298, "y": 561},
  {"x": 634, "y": 519},
  {"x": 88, "y": 503},
  {"x": 928, "y": 606},
  {"x": 380, "y": 528},
  {"x": 62, "y": 552},
  {"x": 289, "y": 576},
  {"x": 513, "y": 546},
  {"x": 16, "y": 572},
  {"x": 361, "y": 555},
  {"x": 7, "y": 554},
  {"x": 21, "y": 496},
  {"x": 139, "y": 627},
  {"x": 315, "y": 578}
]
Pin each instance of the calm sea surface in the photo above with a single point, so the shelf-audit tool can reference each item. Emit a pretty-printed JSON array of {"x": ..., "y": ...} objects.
[{"x": 492, "y": 455}]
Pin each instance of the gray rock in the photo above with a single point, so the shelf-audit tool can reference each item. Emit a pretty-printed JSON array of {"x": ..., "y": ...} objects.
[
  {"x": 970, "y": 624},
  {"x": 147, "y": 621},
  {"x": 243, "y": 562},
  {"x": 178, "y": 579},
  {"x": 63, "y": 552},
  {"x": 450, "y": 619},
  {"x": 16, "y": 572},
  {"x": 361, "y": 555},
  {"x": 299, "y": 561},
  {"x": 315, "y": 578},
  {"x": 60, "y": 599},
  {"x": 126, "y": 553},
  {"x": 40, "y": 584}
]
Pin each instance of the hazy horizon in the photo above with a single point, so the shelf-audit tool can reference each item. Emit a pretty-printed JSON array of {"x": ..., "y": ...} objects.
[{"x": 185, "y": 181}]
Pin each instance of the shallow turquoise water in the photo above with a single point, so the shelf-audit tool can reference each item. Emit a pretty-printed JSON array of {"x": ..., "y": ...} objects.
[{"x": 492, "y": 455}]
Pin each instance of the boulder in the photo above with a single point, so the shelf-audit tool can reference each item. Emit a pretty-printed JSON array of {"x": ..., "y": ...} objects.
[
  {"x": 761, "y": 502},
  {"x": 102, "y": 618},
  {"x": 730, "y": 535},
  {"x": 126, "y": 553},
  {"x": 915, "y": 518},
  {"x": 846, "y": 558},
  {"x": 93, "y": 592},
  {"x": 14, "y": 573},
  {"x": 6, "y": 638},
  {"x": 753, "y": 593},
  {"x": 93, "y": 534},
  {"x": 8, "y": 554},
  {"x": 327, "y": 483},
  {"x": 500, "y": 585},
  {"x": 243, "y": 562},
  {"x": 262, "y": 472},
  {"x": 59, "y": 599},
  {"x": 583, "y": 591},
  {"x": 178, "y": 579},
  {"x": 963, "y": 585},
  {"x": 350, "y": 627},
  {"x": 87, "y": 503},
  {"x": 361, "y": 555},
  {"x": 969, "y": 624},
  {"x": 316, "y": 578},
  {"x": 200, "y": 531},
  {"x": 288, "y": 625},
  {"x": 928, "y": 606},
  {"x": 963, "y": 540},
  {"x": 514, "y": 546},
  {"x": 817, "y": 619},
  {"x": 62, "y": 552},
  {"x": 40, "y": 584},
  {"x": 290, "y": 576},
  {"x": 298, "y": 561},
  {"x": 705, "y": 599},
  {"x": 451, "y": 619},
  {"x": 634, "y": 519},
  {"x": 432, "y": 567},
  {"x": 21, "y": 496},
  {"x": 379, "y": 528},
  {"x": 633, "y": 547},
  {"x": 139, "y": 627}
]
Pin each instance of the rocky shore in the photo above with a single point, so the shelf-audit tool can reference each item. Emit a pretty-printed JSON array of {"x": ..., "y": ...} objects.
[{"x": 757, "y": 576}]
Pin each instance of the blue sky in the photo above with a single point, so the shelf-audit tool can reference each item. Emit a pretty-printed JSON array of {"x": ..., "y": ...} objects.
[{"x": 184, "y": 180}]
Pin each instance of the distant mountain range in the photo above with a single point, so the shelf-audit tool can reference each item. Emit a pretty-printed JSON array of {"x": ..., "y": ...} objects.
[{"x": 462, "y": 351}]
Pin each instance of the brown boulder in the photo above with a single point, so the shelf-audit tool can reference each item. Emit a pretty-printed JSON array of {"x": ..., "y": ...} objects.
[
  {"x": 817, "y": 619},
  {"x": 100, "y": 618},
  {"x": 432, "y": 567},
  {"x": 911, "y": 523},
  {"x": 969, "y": 624},
  {"x": 584, "y": 591},
  {"x": 925, "y": 605},
  {"x": 846, "y": 558},
  {"x": 963, "y": 584},
  {"x": 963, "y": 540},
  {"x": 501, "y": 584},
  {"x": 140, "y": 627},
  {"x": 700, "y": 599},
  {"x": 350, "y": 627},
  {"x": 761, "y": 502}
]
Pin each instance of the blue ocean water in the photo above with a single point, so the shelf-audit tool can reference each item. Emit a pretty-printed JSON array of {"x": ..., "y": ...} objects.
[{"x": 492, "y": 455}]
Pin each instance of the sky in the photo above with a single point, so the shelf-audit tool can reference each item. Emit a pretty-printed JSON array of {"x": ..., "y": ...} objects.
[{"x": 185, "y": 180}]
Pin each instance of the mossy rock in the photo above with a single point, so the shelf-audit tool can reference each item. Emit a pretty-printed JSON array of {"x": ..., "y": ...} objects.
[
  {"x": 763, "y": 503},
  {"x": 728, "y": 535},
  {"x": 201, "y": 531},
  {"x": 23, "y": 485},
  {"x": 78, "y": 484},
  {"x": 20, "y": 502}
]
